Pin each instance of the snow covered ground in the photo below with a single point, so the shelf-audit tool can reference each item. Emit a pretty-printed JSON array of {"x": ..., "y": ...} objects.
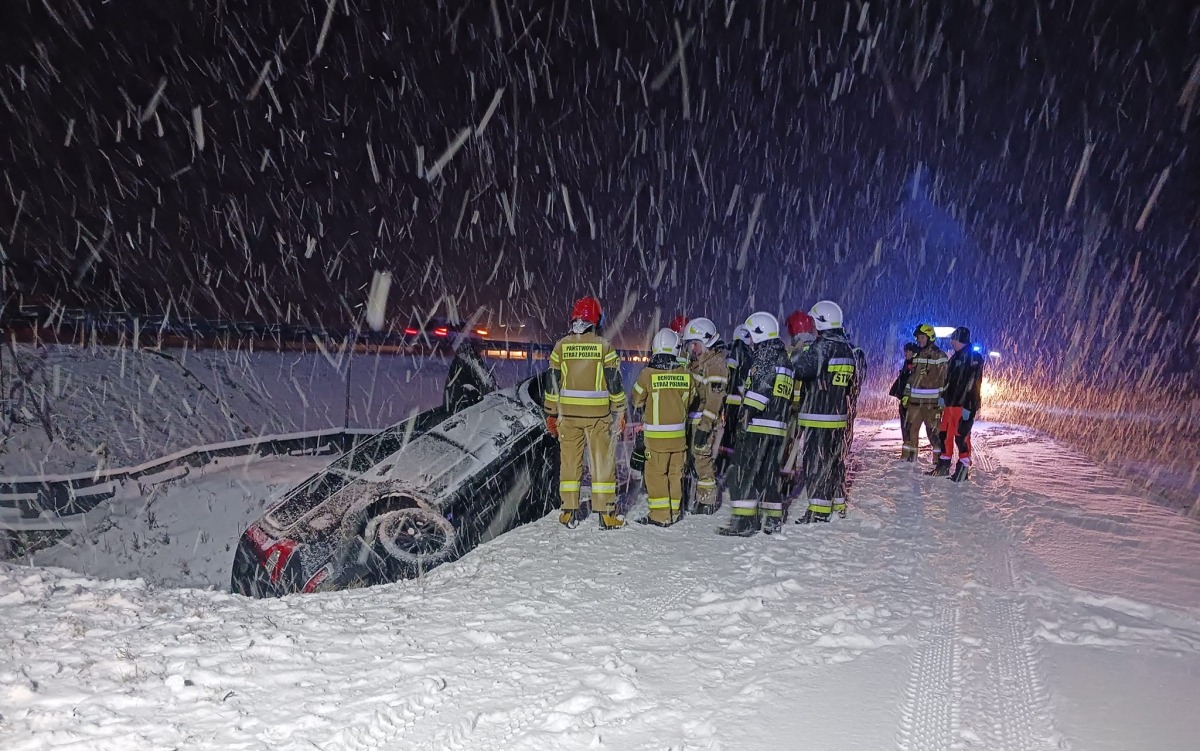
[{"x": 1046, "y": 605}]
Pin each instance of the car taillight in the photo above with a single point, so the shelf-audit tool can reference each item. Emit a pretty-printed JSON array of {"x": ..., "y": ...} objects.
[
  {"x": 481, "y": 332},
  {"x": 411, "y": 332},
  {"x": 441, "y": 331}
]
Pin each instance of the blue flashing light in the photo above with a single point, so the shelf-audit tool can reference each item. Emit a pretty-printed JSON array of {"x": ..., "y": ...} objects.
[{"x": 978, "y": 348}]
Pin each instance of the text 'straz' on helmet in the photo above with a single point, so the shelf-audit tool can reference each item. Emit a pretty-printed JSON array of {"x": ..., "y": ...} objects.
[
  {"x": 826, "y": 315},
  {"x": 762, "y": 327},
  {"x": 701, "y": 330},
  {"x": 677, "y": 323},
  {"x": 666, "y": 342},
  {"x": 927, "y": 330},
  {"x": 800, "y": 322},
  {"x": 587, "y": 309},
  {"x": 741, "y": 332}
]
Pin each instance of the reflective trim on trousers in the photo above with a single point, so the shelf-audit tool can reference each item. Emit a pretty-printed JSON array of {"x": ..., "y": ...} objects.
[
  {"x": 820, "y": 506},
  {"x": 832, "y": 424},
  {"x": 771, "y": 508},
  {"x": 604, "y": 487},
  {"x": 733, "y": 401},
  {"x": 706, "y": 484},
  {"x": 767, "y": 423},
  {"x": 745, "y": 508},
  {"x": 655, "y": 503},
  {"x": 839, "y": 504},
  {"x": 569, "y": 486}
]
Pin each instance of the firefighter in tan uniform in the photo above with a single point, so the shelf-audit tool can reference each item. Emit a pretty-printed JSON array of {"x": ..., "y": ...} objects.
[
  {"x": 923, "y": 394},
  {"x": 585, "y": 406},
  {"x": 662, "y": 394},
  {"x": 711, "y": 373}
]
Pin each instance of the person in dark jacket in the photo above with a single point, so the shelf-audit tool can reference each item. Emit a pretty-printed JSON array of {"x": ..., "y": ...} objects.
[
  {"x": 964, "y": 382},
  {"x": 827, "y": 371},
  {"x": 767, "y": 401},
  {"x": 898, "y": 385}
]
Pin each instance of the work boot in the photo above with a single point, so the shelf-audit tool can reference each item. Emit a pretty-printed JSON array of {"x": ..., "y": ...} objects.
[
  {"x": 961, "y": 472},
  {"x": 650, "y": 520},
  {"x": 841, "y": 512},
  {"x": 941, "y": 469},
  {"x": 570, "y": 517},
  {"x": 609, "y": 521},
  {"x": 703, "y": 509},
  {"x": 772, "y": 524},
  {"x": 811, "y": 517},
  {"x": 740, "y": 526}
]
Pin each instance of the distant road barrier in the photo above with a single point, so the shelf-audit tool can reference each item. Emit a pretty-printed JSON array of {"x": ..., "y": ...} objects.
[{"x": 47, "y": 503}]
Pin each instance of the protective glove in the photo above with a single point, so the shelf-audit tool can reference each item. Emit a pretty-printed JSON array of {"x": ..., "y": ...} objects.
[
  {"x": 904, "y": 401},
  {"x": 637, "y": 458},
  {"x": 552, "y": 425},
  {"x": 966, "y": 415},
  {"x": 941, "y": 403},
  {"x": 700, "y": 438}
]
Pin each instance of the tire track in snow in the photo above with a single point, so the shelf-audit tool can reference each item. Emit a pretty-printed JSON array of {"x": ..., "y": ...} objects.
[
  {"x": 976, "y": 676},
  {"x": 929, "y": 719},
  {"x": 392, "y": 722}
]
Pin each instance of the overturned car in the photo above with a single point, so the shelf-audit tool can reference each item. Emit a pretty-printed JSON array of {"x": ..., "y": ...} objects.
[{"x": 419, "y": 494}]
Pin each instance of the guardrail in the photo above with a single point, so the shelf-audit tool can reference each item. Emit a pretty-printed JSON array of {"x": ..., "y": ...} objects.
[{"x": 47, "y": 503}]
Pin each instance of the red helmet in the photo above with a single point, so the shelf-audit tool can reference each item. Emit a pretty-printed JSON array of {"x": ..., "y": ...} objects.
[
  {"x": 678, "y": 323},
  {"x": 586, "y": 309},
  {"x": 800, "y": 322}
]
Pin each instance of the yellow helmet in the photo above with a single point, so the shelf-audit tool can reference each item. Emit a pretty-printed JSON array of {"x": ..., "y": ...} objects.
[{"x": 927, "y": 330}]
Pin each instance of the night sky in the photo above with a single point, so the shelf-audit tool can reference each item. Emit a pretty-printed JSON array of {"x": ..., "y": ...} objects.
[{"x": 1027, "y": 168}]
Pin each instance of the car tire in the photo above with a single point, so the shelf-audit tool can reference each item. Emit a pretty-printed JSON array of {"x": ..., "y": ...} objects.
[{"x": 412, "y": 539}]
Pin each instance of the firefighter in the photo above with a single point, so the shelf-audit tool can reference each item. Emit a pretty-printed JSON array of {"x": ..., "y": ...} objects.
[
  {"x": 923, "y": 393},
  {"x": 585, "y": 407},
  {"x": 738, "y": 361},
  {"x": 898, "y": 385},
  {"x": 801, "y": 333},
  {"x": 662, "y": 394},
  {"x": 826, "y": 371},
  {"x": 754, "y": 476},
  {"x": 710, "y": 371},
  {"x": 964, "y": 382}
]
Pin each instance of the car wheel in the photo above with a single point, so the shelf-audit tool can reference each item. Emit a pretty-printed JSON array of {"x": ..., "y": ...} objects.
[{"x": 415, "y": 538}]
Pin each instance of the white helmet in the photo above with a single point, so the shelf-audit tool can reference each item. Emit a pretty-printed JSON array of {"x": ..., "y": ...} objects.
[
  {"x": 741, "y": 332},
  {"x": 701, "y": 330},
  {"x": 666, "y": 342},
  {"x": 827, "y": 315},
  {"x": 762, "y": 326}
]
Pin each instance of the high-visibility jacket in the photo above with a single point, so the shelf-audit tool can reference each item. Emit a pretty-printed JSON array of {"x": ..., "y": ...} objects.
[
  {"x": 585, "y": 377},
  {"x": 662, "y": 396},
  {"x": 711, "y": 374},
  {"x": 768, "y": 394},
  {"x": 738, "y": 360},
  {"x": 928, "y": 379},
  {"x": 826, "y": 369}
]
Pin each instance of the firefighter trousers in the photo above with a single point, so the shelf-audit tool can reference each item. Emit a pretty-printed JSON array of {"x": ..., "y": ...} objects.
[
  {"x": 591, "y": 437},
  {"x": 921, "y": 413},
  {"x": 733, "y": 414},
  {"x": 754, "y": 475},
  {"x": 664, "y": 482},
  {"x": 825, "y": 469},
  {"x": 702, "y": 465},
  {"x": 956, "y": 430}
]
